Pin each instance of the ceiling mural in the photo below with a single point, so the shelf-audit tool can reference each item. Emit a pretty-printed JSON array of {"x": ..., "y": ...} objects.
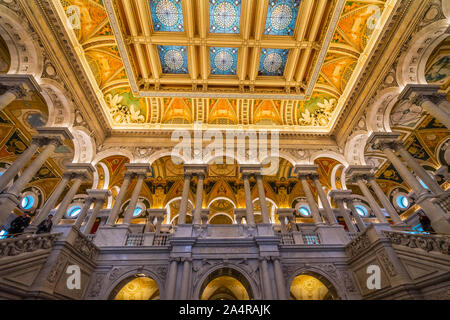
[{"x": 145, "y": 56}]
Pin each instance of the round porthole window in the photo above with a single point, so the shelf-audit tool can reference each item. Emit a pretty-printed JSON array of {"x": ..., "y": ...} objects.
[
  {"x": 137, "y": 211},
  {"x": 73, "y": 211},
  {"x": 27, "y": 202},
  {"x": 362, "y": 211},
  {"x": 304, "y": 211}
]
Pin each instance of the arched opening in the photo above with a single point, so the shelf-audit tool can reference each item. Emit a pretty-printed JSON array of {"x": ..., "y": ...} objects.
[
  {"x": 226, "y": 284},
  {"x": 221, "y": 218},
  {"x": 311, "y": 286},
  {"x": 139, "y": 287}
]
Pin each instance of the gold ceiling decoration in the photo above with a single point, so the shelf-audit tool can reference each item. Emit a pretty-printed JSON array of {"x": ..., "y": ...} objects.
[{"x": 252, "y": 64}]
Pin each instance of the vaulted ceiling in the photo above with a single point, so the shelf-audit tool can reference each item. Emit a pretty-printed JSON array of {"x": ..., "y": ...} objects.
[{"x": 289, "y": 64}]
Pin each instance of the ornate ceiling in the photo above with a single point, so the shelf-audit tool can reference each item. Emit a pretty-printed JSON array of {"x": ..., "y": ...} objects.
[{"x": 287, "y": 64}]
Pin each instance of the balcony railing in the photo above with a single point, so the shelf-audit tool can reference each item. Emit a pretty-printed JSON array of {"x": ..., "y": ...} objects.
[
  {"x": 311, "y": 238},
  {"x": 287, "y": 239},
  {"x": 135, "y": 240},
  {"x": 161, "y": 240},
  {"x": 352, "y": 235}
]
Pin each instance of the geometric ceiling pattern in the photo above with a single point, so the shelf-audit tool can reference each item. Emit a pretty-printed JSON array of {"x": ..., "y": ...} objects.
[{"x": 284, "y": 63}]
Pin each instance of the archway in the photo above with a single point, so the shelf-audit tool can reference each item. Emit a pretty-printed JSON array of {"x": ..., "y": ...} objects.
[
  {"x": 311, "y": 286},
  {"x": 138, "y": 287},
  {"x": 226, "y": 284}
]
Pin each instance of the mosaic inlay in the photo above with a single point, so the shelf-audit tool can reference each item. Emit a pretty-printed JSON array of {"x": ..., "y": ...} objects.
[
  {"x": 272, "y": 62},
  {"x": 281, "y": 17},
  {"x": 224, "y": 16},
  {"x": 173, "y": 59},
  {"x": 167, "y": 15},
  {"x": 223, "y": 60}
]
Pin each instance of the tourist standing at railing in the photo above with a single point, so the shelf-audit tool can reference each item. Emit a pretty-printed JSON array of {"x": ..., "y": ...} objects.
[
  {"x": 18, "y": 225},
  {"x": 46, "y": 225}
]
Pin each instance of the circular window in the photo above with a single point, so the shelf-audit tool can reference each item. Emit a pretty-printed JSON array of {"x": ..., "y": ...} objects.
[
  {"x": 402, "y": 202},
  {"x": 362, "y": 211},
  {"x": 3, "y": 234},
  {"x": 137, "y": 211},
  {"x": 27, "y": 202},
  {"x": 304, "y": 211},
  {"x": 73, "y": 211}
]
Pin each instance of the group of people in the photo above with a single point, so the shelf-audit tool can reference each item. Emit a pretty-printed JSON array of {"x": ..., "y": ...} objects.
[{"x": 19, "y": 224}]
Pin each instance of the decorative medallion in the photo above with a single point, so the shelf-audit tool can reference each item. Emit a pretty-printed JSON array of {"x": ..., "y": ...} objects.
[
  {"x": 224, "y": 16},
  {"x": 272, "y": 62},
  {"x": 223, "y": 60},
  {"x": 167, "y": 15},
  {"x": 281, "y": 17},
  {"x": 173, "y": 59}
]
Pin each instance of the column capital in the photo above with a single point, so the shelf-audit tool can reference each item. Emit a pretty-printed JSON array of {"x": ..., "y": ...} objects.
[
  {"x": 353, "y": 173},
  {"x": 99, "y": 194},
  {"x": 196, "y": 169},
  {"x": 19, "y": 84},
  {"x": 308, "y": 170},
  {"x": 285, "y": 212},
  {"x": 250, "y": 169},
  {"x": 138, "y": 168},
  {"x": 418, "y": 93},
  {"x": 337, "y": 195},
  {"x": 157, "y": 213},
  {"x": 382, "y": 140},
  {"x": 83, "y": 171}
]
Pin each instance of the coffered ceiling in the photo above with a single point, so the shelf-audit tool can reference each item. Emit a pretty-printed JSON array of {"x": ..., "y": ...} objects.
[{"x": 278, "y": 64}]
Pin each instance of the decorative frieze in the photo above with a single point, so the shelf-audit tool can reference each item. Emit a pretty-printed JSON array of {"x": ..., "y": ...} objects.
[
  {"x": 19, "y": 245},
  {"x": 439, "y": 243}
]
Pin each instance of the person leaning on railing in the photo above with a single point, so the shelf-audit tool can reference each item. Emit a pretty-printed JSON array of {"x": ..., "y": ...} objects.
[
  {"x": 46, "y": 225},
  {"x": 18, "y": 225}
]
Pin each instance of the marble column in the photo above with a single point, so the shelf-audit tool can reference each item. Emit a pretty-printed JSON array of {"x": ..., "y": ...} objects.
[
  {"x": 311, "y": 202},
  {"x": 100, "y": 197},
  {"x": 81, "y": 172},
  {"x": 279, "y": 279},
  {"x": 262, "y": 199},
  {"x": 386, "y": 142},
  {"x": 184, "y": 199},
  {"x": 20, "y": 163},
  {"x": 32, "y": 169},
  {"x": 338, "y": 197},
  {"x": 384, "y": 200},
  {"x": 268, "y": 294},
  {"x": 13, "y": 93},
  {"x": 418, "y": 169},
  {"x": 430, "y": 98},
  {"x": 185, "y": 277},
  {"x": 359, "y": 220},
  {"x": 323, "y": 198},
  {"x": 171, "y": 279},
  {"x": 119, "y": 199},
  {"x": 199, "y": 200},
  {"x": 248, "y": 201},
  {"x": 371, "y": 200},
  {"x": 64, "y": 205},
  {"x": 82, "y": 216},
  {"x": 51, "y": 202},
  {"x": 128, "y": 214}
]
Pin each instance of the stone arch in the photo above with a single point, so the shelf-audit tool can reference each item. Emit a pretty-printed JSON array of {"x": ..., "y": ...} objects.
[
  {"x": 330, "y": 282},
  {"x": 213, "y": 272},
  {"x": 84, "y": 145},
  {"x": 329, "y": 154},
  {"x": 116, "y": 151},
  {"x": 221, "y": 214},
  {"x": 355, "y": 147},
  {"x": 411, "y": 66},
  {"x": 26, "y": 57},
  {"x": 164, "y": 153},
  {"x": 378, "y": 114},
  {"x": 60, "y": 109},
  {"x": 114, "y": 287}
]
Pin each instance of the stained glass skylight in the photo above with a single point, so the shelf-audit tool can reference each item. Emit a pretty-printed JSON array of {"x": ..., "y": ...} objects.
[
  {"x": 224, "y": 16},
  {"x": 173, "y": 59},
  {"x": 281, "y": 17},
  {"x": 223, "y": 60},
  {"x": 167, "y": 15},
  {"x": 272, "y": 62}
]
